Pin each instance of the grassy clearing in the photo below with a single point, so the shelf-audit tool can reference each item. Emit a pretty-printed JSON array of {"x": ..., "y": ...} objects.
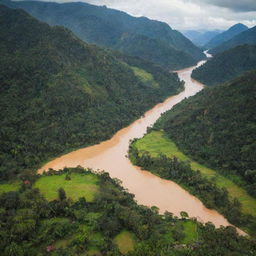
[
  {"x": 125, "y": 241},
  {"x": 190, "y": 230},
  {"x": 145, "y": 77},
  {"x": 7, "y": 187},
  {"x": 80, "y": 185},
  {"x": 156, "y": 142}
]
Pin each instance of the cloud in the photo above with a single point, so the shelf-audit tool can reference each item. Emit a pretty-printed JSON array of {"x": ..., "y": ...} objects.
[
  {"x": 236, "y": 5},
  {"x": 187, "y": 14}
]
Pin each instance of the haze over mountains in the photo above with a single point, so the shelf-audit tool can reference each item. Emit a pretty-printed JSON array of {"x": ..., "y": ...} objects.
[
  {"x": 152, "y": 40},
  {"x": 199, "y": 37}
]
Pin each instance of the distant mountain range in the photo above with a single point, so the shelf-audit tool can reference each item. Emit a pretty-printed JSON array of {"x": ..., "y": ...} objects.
[
  {"x": 226, "y": 35},
  {"x": 227, "y": 65},
  {"x": 149, "y": 39},
  {"x": 246, "y": 37},
  {"x": 200, "y": 37}
]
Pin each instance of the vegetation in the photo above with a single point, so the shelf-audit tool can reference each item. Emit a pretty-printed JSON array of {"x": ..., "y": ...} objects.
[
  {"x": 76, "y": 186},
  {"x": 227, "y": 65},
  {"x": 32, "y": 225},
  {"x": 58, "y": 93},
  {"x": 152, "y": 40},
  {"x": 212, "y": 195},
  {"x": 246, "y": 37},
  {"x": 217, "y": 127},
  {"x": 156, "y": 143},
  {"x": 125, "y": 242},
  {"x": 226, "y": 35},
  {"x": 6, "y": 187}
]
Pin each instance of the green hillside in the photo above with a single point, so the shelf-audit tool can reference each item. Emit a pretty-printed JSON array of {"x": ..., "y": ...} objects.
[
  {"x": 227, "y": 65},
  {"x": 217, "y": 128},
  {"x": 246, "y": 37},
  {"x": 226, "y": 35},
  {"x": 58, "y": 93},
  {"x": 142, "y": 37}
]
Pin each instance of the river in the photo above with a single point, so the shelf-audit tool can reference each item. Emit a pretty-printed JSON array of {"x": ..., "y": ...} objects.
[{"x": 149, "y": 190}]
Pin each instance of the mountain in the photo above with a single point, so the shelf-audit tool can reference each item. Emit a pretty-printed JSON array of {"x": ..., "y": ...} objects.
[
  {"x": 59, "y": 93},
  {"x": 150, "y": 39},
  {"x": 246, "y": 37},
  {"x": 217, "y": 127},
  {"x": 226, "y": 35},
  {"x": 227, "y": 65},
  {"x": 200, "y": 38}
]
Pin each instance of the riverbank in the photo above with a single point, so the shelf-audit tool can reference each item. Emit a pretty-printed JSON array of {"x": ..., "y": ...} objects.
[
  {"x": 157, "y": 143},
  {"x": 111, "y": 155}
]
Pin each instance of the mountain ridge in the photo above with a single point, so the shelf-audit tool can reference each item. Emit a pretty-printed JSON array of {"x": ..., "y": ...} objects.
[
  {"x": 227, "y": 65},
  {"x": 106, "y": 27},
  {"x": 246, "y": 37},
  {"x": 226, "y": 35}
]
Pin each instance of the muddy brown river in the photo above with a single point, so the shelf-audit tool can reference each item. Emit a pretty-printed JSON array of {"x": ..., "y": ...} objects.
[{"x": 148, "y": 189}]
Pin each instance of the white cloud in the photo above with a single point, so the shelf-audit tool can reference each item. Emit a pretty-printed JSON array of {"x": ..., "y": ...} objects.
[{"x": 188, "y": 14}]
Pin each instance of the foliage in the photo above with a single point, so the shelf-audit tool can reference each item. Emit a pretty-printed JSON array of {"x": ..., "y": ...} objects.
[
  {"x": 58, "y": 93},
  {"x": 156, "y": 142},
  {"x": 207, "y": 190},
  {"x": 226, "y": 35},
  {"x": 217, "y": 128},
  {"x": 227, "y": 65},
  {"x": 31, "y": 225},
  {"x": 150, "y": 39},
  {"x": 246, "y": 37}
]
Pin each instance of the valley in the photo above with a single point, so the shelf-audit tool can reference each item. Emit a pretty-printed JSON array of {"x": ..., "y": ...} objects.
[
  {"x": 112, "y": 154},
  {"x": 127, "y": 135}
]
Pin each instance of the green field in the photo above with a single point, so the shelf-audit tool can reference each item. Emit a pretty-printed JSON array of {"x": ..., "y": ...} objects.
[
  {"x": 125, "y": 241},
  {"x": 190, "y": 230},
  {"x": 156, "y": 142},
  {"x": 80, "y": 185},
  {"x": 7, "y": 187},
  {"x": 145, "y": 77}
]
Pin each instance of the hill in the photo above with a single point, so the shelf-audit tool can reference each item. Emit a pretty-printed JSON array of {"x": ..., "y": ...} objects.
[
  {"x": 227, "y": 65},
  {"x": 226, "y": 35},
  {"x": 117, "y": 30},
  {"x": 59, "y": 93},
  {"x": 217, "y": 128},
  {"x": 246, "y": 37},
  {"x": 201, "y": 38}
]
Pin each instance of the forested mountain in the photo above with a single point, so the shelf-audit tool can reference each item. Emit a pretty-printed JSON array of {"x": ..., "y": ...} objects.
[
  {"x": 246, "y": 37},
  {"x": 59, "y": 93},
  {"x": 226, "y": 35},
  {"x": 150, "y": 39},
  {"x": 227, "y": 65},
  {"x": 200, "y": 38},
  {"x": 217, "y": 127}
]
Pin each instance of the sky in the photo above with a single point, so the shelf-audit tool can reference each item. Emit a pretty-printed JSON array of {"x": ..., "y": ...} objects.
[{"x": 187, "y": 14}]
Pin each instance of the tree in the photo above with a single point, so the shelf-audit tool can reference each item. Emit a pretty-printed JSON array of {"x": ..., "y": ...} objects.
[
  {"x": 62, "y": 194},
  {"x": 184, "y": 215}
]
